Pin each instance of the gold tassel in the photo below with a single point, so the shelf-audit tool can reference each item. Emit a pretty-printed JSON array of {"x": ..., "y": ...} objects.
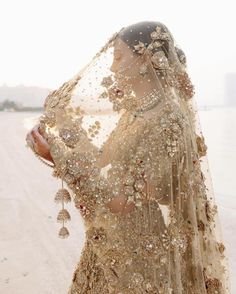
[
  {"x": 63, "y": 196},
  {"x": 63, "y": 215},
  {"x": 63, "y": 233}
]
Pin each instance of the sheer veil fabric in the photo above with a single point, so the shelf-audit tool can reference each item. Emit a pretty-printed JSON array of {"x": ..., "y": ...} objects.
[{"x": 126, "y": 139}]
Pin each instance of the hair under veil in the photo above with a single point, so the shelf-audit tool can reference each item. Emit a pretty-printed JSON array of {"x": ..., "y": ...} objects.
[{"x": 125, "y": 136}]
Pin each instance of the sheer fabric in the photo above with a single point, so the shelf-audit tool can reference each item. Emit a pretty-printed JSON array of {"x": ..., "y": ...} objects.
[{"x": 125, "y": 136}]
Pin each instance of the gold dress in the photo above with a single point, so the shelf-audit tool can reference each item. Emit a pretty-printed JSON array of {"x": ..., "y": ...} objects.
[{"x": 137, "y": 168}]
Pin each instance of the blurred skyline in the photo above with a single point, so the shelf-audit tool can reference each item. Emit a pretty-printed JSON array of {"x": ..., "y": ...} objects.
[{"x": 44, "y": 43}]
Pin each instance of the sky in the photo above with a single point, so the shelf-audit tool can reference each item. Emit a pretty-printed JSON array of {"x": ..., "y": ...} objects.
[{"x": 44, "y": 43}]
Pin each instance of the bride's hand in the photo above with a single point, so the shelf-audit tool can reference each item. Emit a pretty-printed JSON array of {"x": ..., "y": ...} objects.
[{"x": 39, "y": 144}]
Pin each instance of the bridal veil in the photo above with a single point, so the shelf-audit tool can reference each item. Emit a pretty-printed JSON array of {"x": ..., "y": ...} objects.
[{"x": 125, "y": 137}]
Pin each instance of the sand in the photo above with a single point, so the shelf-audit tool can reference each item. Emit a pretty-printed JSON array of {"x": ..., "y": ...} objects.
[{"x": 32, "y": 258}]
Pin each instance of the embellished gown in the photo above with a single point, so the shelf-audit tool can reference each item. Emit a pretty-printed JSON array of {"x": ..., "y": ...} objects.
[
  {"x": 141, "y": 185},
  {"x": 165, "y": 243}
]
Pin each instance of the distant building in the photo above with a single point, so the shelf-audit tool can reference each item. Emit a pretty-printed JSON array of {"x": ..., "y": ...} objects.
[{"x": 230, "y": 89}]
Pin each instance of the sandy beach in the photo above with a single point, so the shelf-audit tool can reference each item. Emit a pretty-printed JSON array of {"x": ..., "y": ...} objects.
[{"x": 33, "y": 260}]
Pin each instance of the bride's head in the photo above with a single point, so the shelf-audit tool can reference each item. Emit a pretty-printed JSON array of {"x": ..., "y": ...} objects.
[
  {"x": 146, "y": 59},
  {"x": 141, "y": 50},
  {"x": 131, "y": 36}
]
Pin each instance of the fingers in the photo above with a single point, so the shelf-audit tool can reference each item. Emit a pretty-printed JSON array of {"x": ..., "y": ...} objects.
[
  {"x": 29, "y": 137},
  {"x": 37, "y": 141},
  {"x": 35, "y": 134},
  {"x": 38, "y": 138},
  {"x": 40, "y": 131},
  {"x": 30, "y": 140}
]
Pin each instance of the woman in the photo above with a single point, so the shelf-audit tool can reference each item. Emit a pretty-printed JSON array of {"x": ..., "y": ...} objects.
[{"x": 125, "y": 136}]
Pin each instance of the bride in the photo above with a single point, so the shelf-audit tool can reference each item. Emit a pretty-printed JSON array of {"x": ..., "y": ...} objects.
[{"x": 124, "y": 135}]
